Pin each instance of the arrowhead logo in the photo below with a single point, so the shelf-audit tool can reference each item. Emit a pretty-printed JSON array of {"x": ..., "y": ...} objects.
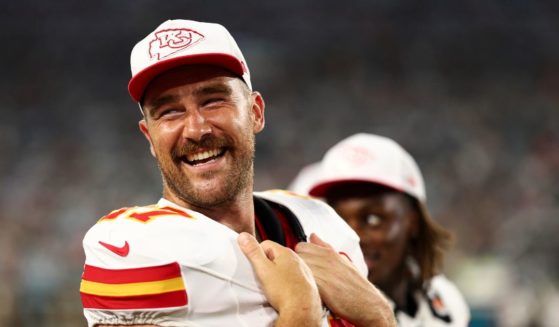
[
  {"x": 169, "y": 41},
  {"x": 121, "y": 251}
]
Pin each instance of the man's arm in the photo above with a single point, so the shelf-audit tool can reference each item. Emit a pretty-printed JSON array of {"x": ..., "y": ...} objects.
[
  {"x": 344, "y": 290},
  {"x": 287, "y": 282}
]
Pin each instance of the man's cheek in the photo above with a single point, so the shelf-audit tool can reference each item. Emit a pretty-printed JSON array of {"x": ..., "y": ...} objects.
[{"x": 393, "y": 232}]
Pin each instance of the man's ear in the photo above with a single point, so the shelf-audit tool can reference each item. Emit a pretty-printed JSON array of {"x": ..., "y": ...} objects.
[
  {"x": 257, "y": 112},
  {"x": 144, "y": 129}
]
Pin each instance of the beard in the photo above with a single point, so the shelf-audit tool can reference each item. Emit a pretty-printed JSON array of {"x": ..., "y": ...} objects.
[{"x": 236, "y": 178}]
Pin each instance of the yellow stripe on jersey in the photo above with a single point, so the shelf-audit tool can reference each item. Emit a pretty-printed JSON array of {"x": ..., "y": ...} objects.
[{"x": 132, "y": 289}]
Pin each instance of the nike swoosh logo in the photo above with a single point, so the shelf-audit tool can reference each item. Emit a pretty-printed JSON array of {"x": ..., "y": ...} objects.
[{"x": 121, "y": 251}]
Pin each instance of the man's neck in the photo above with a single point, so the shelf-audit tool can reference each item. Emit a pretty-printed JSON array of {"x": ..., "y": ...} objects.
[
  {"x": 237, "y": 213},
  {"x": 400, "y": 288}
]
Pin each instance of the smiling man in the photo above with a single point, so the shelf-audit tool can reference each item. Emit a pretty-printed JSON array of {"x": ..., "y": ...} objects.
[{"x": 193, "y": 259}]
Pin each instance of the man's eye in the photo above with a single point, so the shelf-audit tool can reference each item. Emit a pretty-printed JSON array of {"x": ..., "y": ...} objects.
[
  {"x": 213, "y": 101},
  {"x": 170, "y": 111},
  {"x": 373, "y": 220}
]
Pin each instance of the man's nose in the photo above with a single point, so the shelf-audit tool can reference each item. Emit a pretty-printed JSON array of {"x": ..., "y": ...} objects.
[{"x": 196, "y": 126}]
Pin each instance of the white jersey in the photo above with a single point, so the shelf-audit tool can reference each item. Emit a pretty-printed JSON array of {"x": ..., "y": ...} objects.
[
  {"x": 169, "y": 266},
  {"x": 442, "y": 305}
]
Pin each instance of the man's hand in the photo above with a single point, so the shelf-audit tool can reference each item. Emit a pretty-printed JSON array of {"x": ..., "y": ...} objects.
[
  {"x": 343, "y": 289},
  {"x": 288, "y": 283}
]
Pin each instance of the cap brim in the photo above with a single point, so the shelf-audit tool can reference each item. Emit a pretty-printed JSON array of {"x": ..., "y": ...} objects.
[
  {"x": 321, "y": 189},
  {"x": 140, "y": 81}
]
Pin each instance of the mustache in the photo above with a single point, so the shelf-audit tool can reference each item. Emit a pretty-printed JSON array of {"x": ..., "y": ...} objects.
[{"x": 206, "y": 142}]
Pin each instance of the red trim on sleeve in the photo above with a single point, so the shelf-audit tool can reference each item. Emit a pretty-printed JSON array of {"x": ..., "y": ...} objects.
[
  {"x": 132, "y": 275},
  {"x": 152, "y": 301}
]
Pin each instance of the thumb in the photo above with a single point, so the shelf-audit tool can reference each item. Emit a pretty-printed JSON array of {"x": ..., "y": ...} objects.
[
  {"x": 314, "y": 239},
  {"x": 252, "y": 250}
]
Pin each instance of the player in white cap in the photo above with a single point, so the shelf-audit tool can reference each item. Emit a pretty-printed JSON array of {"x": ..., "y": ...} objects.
[
  {"x": 181, "y": 262},
  {"x": 377, "y": 187}
]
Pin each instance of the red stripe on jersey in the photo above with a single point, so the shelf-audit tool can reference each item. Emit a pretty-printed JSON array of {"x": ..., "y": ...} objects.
[
  {"x": 151, "y": 301},
  {"x": 132, "y": 275}
]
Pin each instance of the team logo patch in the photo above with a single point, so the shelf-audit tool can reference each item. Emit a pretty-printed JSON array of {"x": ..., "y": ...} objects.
[
  {"x": 438, "y": 307},
  {"x": 170, "y": 41},
  {"x": 411, "y": 181},
  {"x": 358, "y": 155},
  {"x": 135, "y": 288}
]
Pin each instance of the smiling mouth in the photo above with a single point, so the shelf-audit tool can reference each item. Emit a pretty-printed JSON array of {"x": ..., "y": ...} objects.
[{"x": 203, "y": 157}]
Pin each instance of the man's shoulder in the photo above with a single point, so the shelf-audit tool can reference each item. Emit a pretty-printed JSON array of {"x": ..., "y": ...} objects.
[
  {"x": 296, "y": 201},
  {"x": 160, "y": 212},
  {"x": 440, "y": 284},
  {"x": 138, "y": 221},
  {"x": 445, "y": 299},
  {"x": 314, "y": 215},
  {"x": 444, "y": 287},
  {"x": 311, "y": 212},
  {"x": 152, "y": 235}
]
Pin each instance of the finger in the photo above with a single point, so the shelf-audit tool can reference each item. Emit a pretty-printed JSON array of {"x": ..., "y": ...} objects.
[
  {"x": 252, "y": 250},
  {"x": 315, "y": 245},
  {"x": 318, "y": 241},
  {"x": 314, "y": 239},
  {"x": 268, "y": 247}
]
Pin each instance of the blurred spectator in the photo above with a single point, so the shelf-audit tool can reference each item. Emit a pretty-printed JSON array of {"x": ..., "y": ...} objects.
[{"x": 377, "y": 187}]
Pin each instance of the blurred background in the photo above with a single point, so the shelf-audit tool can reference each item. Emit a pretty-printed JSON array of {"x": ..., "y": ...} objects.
[{"x": 469, "y": 88}]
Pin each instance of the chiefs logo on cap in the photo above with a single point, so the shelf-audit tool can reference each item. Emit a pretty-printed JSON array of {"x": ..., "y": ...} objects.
[
  {"x": 357, "y": 155},
  {"x": 170, "y": 41}
]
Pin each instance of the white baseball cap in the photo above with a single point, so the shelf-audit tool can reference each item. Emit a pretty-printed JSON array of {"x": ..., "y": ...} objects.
[
  {"x": 183, "y": 42},
  {"x": 369, "y": 158}
]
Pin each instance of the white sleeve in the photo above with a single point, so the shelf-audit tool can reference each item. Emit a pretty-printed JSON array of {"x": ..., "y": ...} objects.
[{"x": 131, "y": 273}]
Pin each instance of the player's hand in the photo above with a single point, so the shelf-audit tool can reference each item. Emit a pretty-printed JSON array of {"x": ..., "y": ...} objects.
[
  {"x": 343, "y": 289},
  {"x": 288, "y": 283}
]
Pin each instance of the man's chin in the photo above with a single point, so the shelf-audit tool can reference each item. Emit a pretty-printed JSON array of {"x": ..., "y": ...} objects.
[{"x": 209, "y": 195}]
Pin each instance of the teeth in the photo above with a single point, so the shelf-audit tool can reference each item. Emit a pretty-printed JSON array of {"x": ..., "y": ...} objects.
[{"x": 202, "y": 155}]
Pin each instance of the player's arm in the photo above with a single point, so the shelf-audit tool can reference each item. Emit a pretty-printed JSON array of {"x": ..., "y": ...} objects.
[
  {"x": 343, "y": 288},
  {"x": 287, "y": 282}
]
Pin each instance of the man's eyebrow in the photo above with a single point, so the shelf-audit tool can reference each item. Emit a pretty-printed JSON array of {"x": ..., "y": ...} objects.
[
  {"x": 213, "y": 89},
  {"x": 152, "y": 106}
]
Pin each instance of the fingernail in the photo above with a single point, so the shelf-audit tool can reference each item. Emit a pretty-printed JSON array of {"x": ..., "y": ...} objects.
[{"x": 243, "y": 239}]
